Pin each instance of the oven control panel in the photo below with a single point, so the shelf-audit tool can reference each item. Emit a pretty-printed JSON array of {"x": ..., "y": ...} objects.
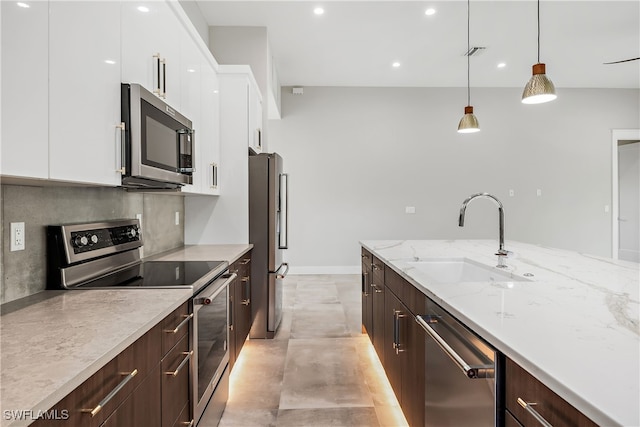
[{"x": 94, "y": 239}]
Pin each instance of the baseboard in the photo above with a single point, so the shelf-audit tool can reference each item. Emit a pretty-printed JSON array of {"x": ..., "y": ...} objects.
[{"x": 337, "y": 269}]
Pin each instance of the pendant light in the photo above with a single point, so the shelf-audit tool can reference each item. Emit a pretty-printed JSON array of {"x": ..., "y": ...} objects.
[
  {"x": 539, "y": 89},
  {"x": 469, "y": 122}
]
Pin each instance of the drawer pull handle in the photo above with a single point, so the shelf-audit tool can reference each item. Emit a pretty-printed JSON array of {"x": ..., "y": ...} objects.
[
  {"x": 245, "y": 261},
  {"x": 187, "y": 317},
  {"x": 376, "y": 267},
  {"x": 188, "y": 355},
  {"x": 113, "y": 392},
  {"x": 188, "y": 423},
  {"x": 376, "y": 289},
  {"x": 528, "y": 407}
]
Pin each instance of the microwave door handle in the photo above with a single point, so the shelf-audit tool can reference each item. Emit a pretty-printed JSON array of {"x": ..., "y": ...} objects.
[{"x": 284, "y": 212}]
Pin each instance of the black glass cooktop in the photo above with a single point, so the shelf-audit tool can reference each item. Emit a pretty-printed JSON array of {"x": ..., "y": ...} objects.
[{"x": 157, "y": 274}]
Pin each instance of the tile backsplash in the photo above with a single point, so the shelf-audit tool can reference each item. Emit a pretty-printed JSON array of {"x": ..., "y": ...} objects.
[{"x": 23, "y": 273}]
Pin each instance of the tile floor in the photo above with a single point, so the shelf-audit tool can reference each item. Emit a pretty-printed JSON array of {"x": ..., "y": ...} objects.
[{"x": 319, "y": 370}]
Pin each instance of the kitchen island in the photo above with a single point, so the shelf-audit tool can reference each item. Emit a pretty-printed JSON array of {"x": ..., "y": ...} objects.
[
  {"x": 574, "y": 325},
  {"x": 52, "y": 341}
]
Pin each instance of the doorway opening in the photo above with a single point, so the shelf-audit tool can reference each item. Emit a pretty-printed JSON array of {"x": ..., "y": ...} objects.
[{"x": 625, "y": 215}]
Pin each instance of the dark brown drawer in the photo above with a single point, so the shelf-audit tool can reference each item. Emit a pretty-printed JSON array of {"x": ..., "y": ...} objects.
[
  {"x": 184, "y": 419},
  {"x": 175, "y": 326},
  {"x": 366, "y": 258},
  {"x": 377, "y": 268},
  {"x": 522, "y": 385},
  {"x": 141, "y": 356},
  {"x": 394, "y": 281},
  {"x": 175, "y": 382}
]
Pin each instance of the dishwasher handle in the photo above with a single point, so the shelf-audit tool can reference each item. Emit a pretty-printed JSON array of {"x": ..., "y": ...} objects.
[{"x": 473, "y": 372}]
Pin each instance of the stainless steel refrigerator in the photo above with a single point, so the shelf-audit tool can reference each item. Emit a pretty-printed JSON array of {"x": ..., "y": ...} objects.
[{"x": 268, "y": 233}]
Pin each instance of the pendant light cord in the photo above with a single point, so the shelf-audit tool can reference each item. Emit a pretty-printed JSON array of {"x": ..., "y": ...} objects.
[
  {"x": 469, "y": 55},
  {"x": 538, "y": 31}
]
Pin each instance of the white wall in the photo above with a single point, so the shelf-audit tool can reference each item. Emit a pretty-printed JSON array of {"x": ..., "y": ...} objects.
[{"x": 357, "y": 156}]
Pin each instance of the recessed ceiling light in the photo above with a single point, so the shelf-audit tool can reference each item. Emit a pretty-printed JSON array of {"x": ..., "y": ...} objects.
[
  {"x": 21, "y": 4},
  {"x": 502, "y": 65},
  {"x": 144, "y": 9},
  {"x": 318, "y": 11},
  {"x": 191, "y": 70},
  {"x": 109, "y": 61},
  {"x": 430, "y": 11},
  {"x": 395, "y": 64}
]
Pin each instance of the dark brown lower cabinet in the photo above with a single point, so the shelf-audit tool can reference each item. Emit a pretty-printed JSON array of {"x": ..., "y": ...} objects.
[
  {"x": 521, "y": 385},
  {"x": 367, "y": 298},
  {"x": 240, "y": 317},
  {"x": 142, "y": 407},
  {"x": 404, "y": 358},
  {"x": 137, "y": 387},
  {"x": 377, "y": 290}
]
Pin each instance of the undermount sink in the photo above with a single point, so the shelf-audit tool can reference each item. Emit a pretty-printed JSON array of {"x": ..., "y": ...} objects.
[{"x": 461, "y": 270}]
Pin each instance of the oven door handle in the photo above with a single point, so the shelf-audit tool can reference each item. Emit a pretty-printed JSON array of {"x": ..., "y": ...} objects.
[{"x": 206, "y": 300}]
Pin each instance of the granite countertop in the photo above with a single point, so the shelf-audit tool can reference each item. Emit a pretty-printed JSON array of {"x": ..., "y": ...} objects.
[
  {"x": 575, "y": 326},
  {"x": 53, "y": 341}
]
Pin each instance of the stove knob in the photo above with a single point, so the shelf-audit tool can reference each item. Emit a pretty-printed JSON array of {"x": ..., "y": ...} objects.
[
  {"x": 80, "y": 241},
  {"x": 132, "y": 232},
  {"x": 94, "y": 239}
]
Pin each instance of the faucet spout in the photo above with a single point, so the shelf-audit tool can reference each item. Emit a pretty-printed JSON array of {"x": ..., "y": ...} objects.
[{"x": 463, "y": 209}]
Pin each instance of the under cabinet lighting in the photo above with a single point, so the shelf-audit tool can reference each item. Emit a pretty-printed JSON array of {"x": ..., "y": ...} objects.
[{"x": 24, "y": 5}]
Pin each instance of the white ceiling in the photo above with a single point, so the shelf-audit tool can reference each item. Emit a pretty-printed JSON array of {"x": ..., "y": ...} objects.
[{"x": 355, "y": 42}]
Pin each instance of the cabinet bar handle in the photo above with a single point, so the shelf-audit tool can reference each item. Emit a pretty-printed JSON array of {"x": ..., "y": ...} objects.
[
  {"x": 187, "y": 317},
  {"x": 364, "y": 284},
  {"x": 246, "y": 290},
  {"x": 164, "y": 78},
  {"x": 397, "y": 315},
  {"x": 123, "y": 161},
  {"x": 245, "y": 261},
  {"x": 113, "y": 392},
  {"x": 528, "y": 407},
  {"x": 214, "y": 175},
  {"x": 376, "y": 289},
  {"x": 188, "y": 423},
  {"x": 376, "y": 267},
  {"x": 157, "y": 90},
  {"x": 188, "y": 355}
]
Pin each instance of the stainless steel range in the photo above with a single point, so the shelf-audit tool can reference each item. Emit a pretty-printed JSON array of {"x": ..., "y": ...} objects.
[{"x": 106, "y": 255}]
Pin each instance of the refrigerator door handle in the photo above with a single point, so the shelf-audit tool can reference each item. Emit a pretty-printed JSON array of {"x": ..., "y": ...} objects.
[
  {"x": 283, "y": 239},
  {"x": 286, "y": 270}
]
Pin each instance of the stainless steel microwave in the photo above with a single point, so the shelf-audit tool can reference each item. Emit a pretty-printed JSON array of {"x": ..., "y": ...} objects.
[{"x": 158, "y": 142}]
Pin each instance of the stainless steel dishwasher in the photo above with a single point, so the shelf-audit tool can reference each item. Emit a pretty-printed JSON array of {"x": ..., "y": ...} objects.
[{"x": 460, "y": 373}]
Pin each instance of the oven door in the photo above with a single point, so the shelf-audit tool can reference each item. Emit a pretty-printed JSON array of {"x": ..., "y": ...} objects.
[{"x": 210, "y": 344}]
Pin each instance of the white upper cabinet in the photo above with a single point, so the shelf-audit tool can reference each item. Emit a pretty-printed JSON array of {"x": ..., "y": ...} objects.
[
  {"x": 256, "y": 130},
  {"x": 210, "y": 130},
  {"x": 151, "y": 39},
  {"x": 84, "y": 92},
  {"x": 25, "y": 143}
]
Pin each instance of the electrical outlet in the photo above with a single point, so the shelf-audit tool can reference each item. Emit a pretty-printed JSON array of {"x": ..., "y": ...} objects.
[
  {"x": 17, "y": 236},
  {"x": 177, "y": 218},
  {"x": 512, "y": 193},
  {"x": 538, "y": 192}
]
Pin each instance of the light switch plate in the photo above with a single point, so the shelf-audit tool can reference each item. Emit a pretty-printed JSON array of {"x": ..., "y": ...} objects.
[
  {"x": 177, "y": 218},
  {"x": 410, "y": 209}
]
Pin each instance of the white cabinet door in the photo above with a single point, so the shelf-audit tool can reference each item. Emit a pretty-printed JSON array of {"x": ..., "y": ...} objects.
[
  {"x": 210, "y": 130},
  {"x": 149, "y": 29},
  {"x": 84, "y": 91},
  {"x": 256, "y": 131},
  {"x": 190, "y": 98},
  {"x": 25, "y": 140}
]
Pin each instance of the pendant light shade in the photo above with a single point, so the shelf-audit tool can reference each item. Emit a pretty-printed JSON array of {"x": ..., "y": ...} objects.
[
  {"x": 469, "y": 122},
  {"x": 539, "y": 89}
]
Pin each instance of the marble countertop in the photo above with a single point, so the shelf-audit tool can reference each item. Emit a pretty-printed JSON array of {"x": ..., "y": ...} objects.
[
  {"x": 575, "y": 326},
  {"x": 53, "y": 341}
]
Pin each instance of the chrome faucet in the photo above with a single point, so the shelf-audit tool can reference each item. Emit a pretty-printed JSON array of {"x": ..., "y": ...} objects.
[{"x": 502, "y": 253}]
